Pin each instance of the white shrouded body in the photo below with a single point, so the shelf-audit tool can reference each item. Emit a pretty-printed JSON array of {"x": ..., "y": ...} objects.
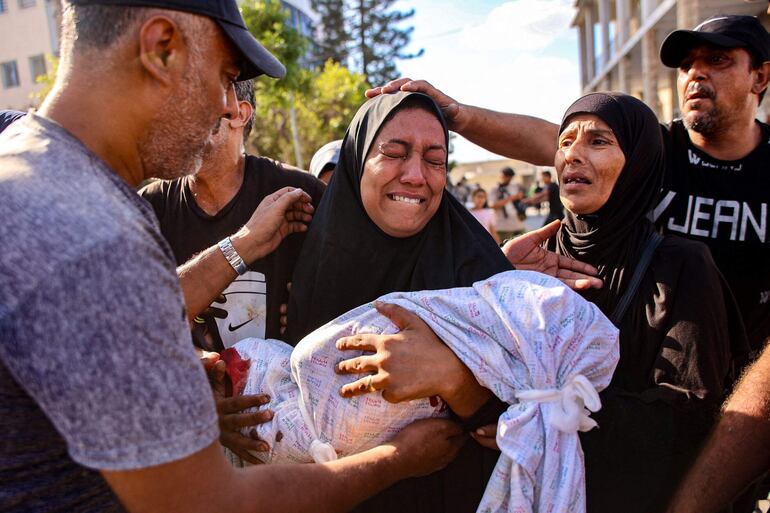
[{"x": 536, "y": 344}]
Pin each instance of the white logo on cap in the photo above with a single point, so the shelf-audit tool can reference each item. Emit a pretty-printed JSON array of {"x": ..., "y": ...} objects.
[{"x": 709, "y": 21}]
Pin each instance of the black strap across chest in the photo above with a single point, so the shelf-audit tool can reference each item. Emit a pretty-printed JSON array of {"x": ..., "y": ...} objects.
[{"x": 644, "y": 262}]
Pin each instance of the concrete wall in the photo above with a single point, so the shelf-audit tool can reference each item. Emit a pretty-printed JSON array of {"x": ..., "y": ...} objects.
[{"x": 25, "y": 32}]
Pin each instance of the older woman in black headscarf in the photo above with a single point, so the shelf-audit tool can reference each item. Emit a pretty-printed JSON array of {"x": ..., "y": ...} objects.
[
  {"x": 385, "y": 224},
  {"x": 679, "y": 327}
]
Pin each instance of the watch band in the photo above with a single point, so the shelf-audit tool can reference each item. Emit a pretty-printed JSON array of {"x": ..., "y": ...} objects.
[{"x": 232, "y": 256}]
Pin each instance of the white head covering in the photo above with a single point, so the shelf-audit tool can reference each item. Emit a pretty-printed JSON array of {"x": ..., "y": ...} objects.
[{"x": 329, "y": 153}]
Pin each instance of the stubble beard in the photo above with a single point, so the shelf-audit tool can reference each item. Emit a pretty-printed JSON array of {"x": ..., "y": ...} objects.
[
  {"x": 176, "y": 142},
  {"x": 705, "y": 123}
]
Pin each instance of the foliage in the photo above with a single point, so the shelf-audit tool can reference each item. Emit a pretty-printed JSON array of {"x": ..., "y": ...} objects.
[
  {"x": 324, "y": 100},
  {"x": 323, "y": 113},
  {"x": 378, "y": 40},
  {"x": 364, "y": 34},
  {"x": 48, "y": 80},
  {"x": 266, "y": 20},
  {"x": 333, "y": 38}
]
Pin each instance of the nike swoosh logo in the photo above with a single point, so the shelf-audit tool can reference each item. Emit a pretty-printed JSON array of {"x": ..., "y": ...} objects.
[{"x": 233, "y": 328}]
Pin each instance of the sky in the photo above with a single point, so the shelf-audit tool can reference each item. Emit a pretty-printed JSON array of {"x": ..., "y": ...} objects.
[{"x": 518, "y": 56}]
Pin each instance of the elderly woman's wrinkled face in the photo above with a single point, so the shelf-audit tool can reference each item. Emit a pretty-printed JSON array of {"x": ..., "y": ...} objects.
[
  {"x": 588, "y": 163},
  {"x": 405, "y": 173}
]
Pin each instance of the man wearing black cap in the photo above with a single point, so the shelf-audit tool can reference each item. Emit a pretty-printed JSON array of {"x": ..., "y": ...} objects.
[
  {"x": 105, "y": 407},
  {"x": 716, "y": 190}
]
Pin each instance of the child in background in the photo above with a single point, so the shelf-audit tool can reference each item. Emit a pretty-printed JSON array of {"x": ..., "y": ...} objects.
[{"x": 484, "y": 214}]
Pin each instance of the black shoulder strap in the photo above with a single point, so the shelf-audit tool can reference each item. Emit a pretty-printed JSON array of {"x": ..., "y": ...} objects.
[{"x": 649, "y": 250}]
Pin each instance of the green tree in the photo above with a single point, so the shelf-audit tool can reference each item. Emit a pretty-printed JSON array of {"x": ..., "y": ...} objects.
[
  {"x": 322, "y": 101},
  {"x": 333, "y": 38},
  {"x": 326, "y": 109},
  {"x": 266, "y": 20},
  {"x": 47, "y": 80},
  {"x": 378, "y": 40}
]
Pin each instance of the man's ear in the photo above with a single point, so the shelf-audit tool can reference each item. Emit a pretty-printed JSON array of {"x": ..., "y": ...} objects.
[
  {"x": 245, "y": 111},
  {"x": 762, "y": 78},
  {"x": 162, "y": 49}
]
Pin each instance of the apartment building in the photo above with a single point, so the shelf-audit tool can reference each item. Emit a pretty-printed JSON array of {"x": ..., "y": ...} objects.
[
  {"x": 619, "y": 42},
  {"x": 28, "y": 34}
]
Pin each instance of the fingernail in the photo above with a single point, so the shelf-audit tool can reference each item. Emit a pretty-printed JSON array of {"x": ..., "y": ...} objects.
[{"x": 480, "y": 431}]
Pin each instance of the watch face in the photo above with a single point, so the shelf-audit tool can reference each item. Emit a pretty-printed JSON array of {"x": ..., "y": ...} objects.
[{"x": 244, "y": 312}]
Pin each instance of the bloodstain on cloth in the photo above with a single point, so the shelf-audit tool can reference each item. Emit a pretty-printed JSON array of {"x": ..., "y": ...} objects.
[{"x": 236, "y": 371}]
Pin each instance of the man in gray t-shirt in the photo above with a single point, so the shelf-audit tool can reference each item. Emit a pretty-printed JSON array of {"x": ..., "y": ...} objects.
[
  {"x": 93, "y": 279},
  {"x": 103, "y": 404}
]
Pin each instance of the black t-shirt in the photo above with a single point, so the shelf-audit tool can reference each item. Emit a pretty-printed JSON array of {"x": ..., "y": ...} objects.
[
  {"x": 253, "y": 300},
  {"x": 9, "y": 116},
  {"x": 555, "y": 208},
  {"x": 724, "y": 205}
]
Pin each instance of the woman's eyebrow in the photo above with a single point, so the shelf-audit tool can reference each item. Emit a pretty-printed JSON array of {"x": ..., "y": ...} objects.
[
  {"x": 408, "y": 145},
  {"x": 399, "y": 141},
  {"x": 601, "y": 131}
]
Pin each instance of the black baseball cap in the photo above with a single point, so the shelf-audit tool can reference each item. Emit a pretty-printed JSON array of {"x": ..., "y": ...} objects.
[
  {"x": 725, "y": 31},
  {"x": 256, "y": 59}
]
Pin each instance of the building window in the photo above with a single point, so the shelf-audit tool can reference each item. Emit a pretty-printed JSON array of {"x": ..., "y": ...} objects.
[
  {"x": 37, "y": 66},
  {"x": 26, "y": 3},
  {"x": 10, "y": 74},
  {"x": 3, "y": 7}
]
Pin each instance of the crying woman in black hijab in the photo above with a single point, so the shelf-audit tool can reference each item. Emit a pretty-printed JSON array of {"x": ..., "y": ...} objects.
[
  {"x": 385, "y": 224},
  {"x": 679, "y": 327}
]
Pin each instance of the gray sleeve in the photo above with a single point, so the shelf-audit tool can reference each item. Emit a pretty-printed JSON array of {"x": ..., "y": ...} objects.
[{"x": 104, "y": 349}]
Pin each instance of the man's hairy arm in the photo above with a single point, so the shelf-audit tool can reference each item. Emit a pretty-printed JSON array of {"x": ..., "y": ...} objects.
[
  {"x": 515, "y": 136},
  {"x": 206, "y": 482},
  {"x": 512, "y": 135},
  {"x": 738, "y": 450}
]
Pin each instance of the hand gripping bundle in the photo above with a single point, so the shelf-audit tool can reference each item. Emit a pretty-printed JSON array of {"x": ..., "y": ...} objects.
[{"x": 534, "y": 343}]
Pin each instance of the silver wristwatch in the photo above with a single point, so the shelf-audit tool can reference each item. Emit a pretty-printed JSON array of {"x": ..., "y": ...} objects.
[{"x": 232, "y": 256}]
